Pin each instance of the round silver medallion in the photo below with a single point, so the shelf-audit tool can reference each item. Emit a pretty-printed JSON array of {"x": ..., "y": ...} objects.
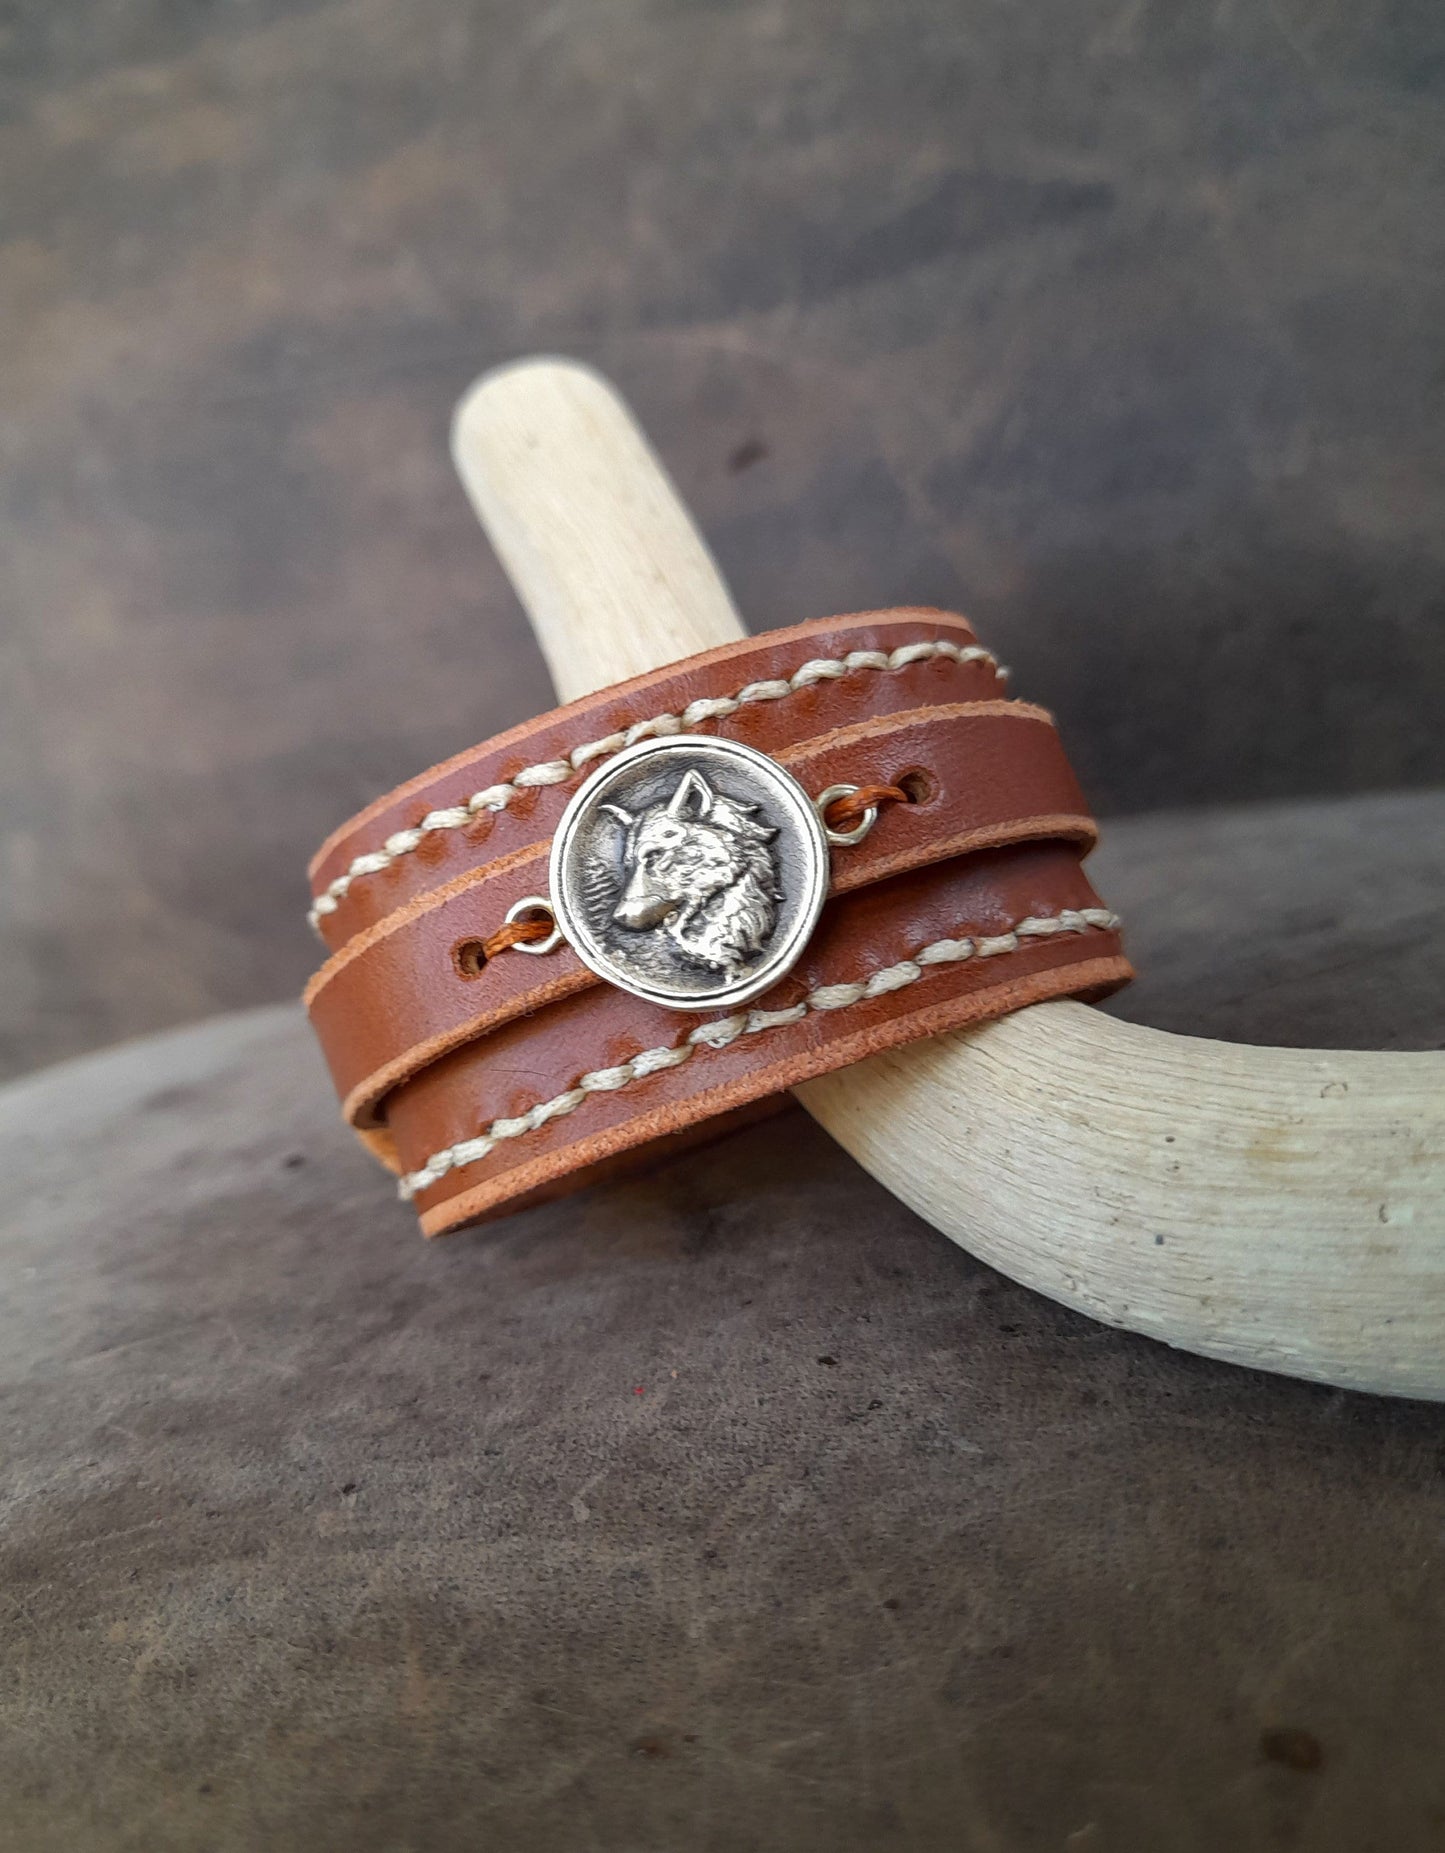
[{"x": 689, "y": 871}]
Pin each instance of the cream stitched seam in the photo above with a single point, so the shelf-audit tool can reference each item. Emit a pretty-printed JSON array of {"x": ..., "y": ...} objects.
[
  {"x": 560, "y": 771},
  {"x": 725, "y": 1030}
]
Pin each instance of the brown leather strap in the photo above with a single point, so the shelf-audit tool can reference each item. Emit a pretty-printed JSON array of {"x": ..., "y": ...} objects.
[
  {"x": 405, "y": 992},
  {"x": 756, "y": 666},
  {"x": 540, "y": 1059},
  {"x": 487, "y": 1080}
]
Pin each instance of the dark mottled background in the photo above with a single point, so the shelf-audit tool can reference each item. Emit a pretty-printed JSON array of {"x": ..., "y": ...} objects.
[
  {"x": 729, "y": 1509},
  {"x": 1117, "y": 325}
]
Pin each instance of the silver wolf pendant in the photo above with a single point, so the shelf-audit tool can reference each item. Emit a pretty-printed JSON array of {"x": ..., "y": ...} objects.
[{"x": 701, "y": 868}]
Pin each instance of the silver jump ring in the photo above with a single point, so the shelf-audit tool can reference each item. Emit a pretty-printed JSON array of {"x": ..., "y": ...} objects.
[
  {"x": 844, "y": 839},
  {"x": 534, "y": 904}
]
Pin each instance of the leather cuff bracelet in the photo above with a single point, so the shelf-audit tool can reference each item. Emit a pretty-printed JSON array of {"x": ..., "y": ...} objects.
[{"x": 673, "y": 899}]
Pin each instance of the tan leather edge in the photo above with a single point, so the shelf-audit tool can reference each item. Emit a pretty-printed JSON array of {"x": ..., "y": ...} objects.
[
  {"x": 811, "y": 627},
  {"x": 901, "y": 718},
  {"x": 419, "y": 904},
  {"x": 1092, "y": 977},
  {"x": 1053, "y": 826},
  {"x": 379, "y": 1142},
  {"x": 363, "y": 1104}
]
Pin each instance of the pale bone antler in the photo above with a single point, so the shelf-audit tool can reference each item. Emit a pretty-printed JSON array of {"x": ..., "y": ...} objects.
[{"x": 1279, "y": 1208}]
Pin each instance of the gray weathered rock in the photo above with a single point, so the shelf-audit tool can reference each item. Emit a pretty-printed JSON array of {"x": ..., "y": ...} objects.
[{"x": 729, "y": 1508}]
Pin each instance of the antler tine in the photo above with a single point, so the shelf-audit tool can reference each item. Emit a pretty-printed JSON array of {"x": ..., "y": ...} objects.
[{"x": 1057, "y": 1144}]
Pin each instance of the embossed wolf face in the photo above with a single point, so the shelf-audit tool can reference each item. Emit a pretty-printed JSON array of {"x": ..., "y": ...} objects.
[{"x": 700, "y": 867}]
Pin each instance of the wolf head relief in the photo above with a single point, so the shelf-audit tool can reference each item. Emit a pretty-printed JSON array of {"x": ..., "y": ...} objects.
[{"x": 700, "y": 868}]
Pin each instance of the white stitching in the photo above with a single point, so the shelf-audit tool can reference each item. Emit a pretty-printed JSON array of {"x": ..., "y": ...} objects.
[
  {"x": 725, "y": 1030},
  {"x": 559, "y": 771}
]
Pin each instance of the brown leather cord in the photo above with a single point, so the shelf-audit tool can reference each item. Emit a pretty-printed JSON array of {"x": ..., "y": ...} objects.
[
  {"x": 472, "y": 954},
  {"x": 845, "y": 812}
]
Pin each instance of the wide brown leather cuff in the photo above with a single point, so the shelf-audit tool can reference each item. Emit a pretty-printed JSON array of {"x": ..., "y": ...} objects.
[{"x": 486, "y": 1081}]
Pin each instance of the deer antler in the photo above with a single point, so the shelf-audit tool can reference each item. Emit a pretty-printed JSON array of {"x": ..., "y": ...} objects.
[{"x": 1300, "y": 1194}]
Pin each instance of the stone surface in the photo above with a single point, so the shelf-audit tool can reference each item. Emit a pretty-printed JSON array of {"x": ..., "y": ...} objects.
[
  {"x": 726, "y": 1509},
  {"x": 1307, "y": 925},
  {"x": 1119, "y": 326}
]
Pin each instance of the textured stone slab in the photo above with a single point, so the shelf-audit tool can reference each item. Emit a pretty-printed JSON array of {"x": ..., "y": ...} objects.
[{"x": 727, "y": 1509}]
